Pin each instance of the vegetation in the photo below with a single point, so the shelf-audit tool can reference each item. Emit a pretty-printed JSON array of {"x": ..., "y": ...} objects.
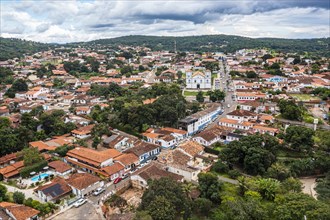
[
  {"x": 289, "y": 110},
  {"x": 12, "y": 47},
  {"x": 226, "y": 43}
]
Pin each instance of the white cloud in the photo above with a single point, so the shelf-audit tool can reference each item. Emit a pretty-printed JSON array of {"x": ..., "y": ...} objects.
[{"x": 69, "y": 21}]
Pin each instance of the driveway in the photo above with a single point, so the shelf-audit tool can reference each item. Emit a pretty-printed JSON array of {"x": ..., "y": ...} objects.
[{"x": 28, "y": 192}]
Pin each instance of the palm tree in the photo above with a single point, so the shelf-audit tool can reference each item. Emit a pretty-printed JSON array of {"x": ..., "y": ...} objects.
[
  {"x": 268, "y": 188},
  {"x": 187, "y": 187}
]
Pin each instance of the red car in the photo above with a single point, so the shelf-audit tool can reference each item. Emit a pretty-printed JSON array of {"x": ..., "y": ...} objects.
[{"x": 117, "y": 180}]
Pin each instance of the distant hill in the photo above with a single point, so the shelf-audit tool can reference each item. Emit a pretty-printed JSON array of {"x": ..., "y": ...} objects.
[
  {"x": 225, "y": 43},
  {"x": 13, "y": 47}
]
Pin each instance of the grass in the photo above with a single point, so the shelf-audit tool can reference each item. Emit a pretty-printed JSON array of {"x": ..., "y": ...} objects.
[
  {"x": 304, "y": 97},
  {"x": 192, "y": 93}
]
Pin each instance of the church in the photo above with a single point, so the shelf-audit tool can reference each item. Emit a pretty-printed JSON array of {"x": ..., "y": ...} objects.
[{"x": 198, "y": 80}]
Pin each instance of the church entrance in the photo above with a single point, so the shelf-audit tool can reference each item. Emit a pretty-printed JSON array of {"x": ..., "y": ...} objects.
[{"x": 198, "y": 86}]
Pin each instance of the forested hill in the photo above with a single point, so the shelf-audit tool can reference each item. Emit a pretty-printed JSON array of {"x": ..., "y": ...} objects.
[
  {"x": 13, "y": 47},
  {"x": 225, "y": 43}
]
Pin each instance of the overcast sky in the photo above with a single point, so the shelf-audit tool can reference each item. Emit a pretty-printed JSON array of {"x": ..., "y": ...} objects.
[{"x": 71, "y": 21}]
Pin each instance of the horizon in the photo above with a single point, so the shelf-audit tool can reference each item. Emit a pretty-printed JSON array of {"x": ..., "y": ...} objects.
[
  {"x": 83, "y": 21},
  {"x": 169, "y": 37}
]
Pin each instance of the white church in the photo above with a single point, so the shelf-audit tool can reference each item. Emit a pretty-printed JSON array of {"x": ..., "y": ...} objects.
[{"x": 198, "y": 80}]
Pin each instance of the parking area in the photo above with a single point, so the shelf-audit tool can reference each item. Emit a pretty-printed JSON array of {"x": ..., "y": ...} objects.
[{"x": 85, "y": 211}]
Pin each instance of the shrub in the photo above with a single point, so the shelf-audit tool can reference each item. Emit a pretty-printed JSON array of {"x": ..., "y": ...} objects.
[
  {"x": 25, "y": 172},
  {"x": 18, "y": 197},
  {"x": 234, "y": 173},
  {"x": 220, "y": 167}
]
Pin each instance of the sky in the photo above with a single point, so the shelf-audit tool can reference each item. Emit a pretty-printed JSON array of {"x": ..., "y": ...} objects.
[{"x": 60, "y": 21}]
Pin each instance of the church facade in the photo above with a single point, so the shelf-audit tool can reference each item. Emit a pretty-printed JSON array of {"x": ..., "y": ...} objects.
[{"x": 198, "y": 80}]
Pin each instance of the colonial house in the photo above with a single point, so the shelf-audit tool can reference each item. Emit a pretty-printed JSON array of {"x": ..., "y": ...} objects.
[
  {"x": 114, "y": 171},
  {"x": 83, "y": 132},
  {"x": 144, "y": 151},
  {"x": 129, "y": 161},
  {"x": 264, "y": 130},
  {"x": 152, "y": 171},
  {"x": 83, "y": 184},
  {"x": 242, "y": 115},
  {"x": 210, "y": 136},
  {"x": 19, "y": 212},
  {"x": 60, "y": 168},
  {"x": 165, "y": 137}
]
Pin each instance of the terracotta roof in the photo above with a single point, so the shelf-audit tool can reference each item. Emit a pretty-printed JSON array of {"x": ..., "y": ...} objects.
[
  {"x": 174, "y": 130},
  {"x": 155, "y": 170},
  {"x": 127, "y": 159},
  {"x": 92, "y": 156},
  {"x": 59, "y": 166},
  {"x": 20, "y": 212},
  {"x": 240, "y": 112},
  {"x": 12, "y": 170},
  {"x": 114, "y": 168},
  {"x": 82, "y": 180},
  {"x": 229, "y": 121},
  {"x": 259, "y": 127},
  {"x": 191, "y": 147},
  {"x": 83, "y": 130},
  {"x": 7, "y": 158},
  {"x": 41, "y": 146},
  {"x": 142, "y": 148}
]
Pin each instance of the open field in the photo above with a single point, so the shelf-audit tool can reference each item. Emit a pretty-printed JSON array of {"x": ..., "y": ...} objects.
[{"x": 304, "y": 97}]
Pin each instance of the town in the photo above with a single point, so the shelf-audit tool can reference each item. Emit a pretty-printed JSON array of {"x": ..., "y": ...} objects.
[{"x": 113, "y": 133}]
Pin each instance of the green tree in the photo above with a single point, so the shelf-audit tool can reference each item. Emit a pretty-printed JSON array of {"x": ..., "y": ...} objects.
[
  {"x": 268, "y": 188},
  {"x": 3, "y": 193},
  {"x": 299, "y": 138},
  {"x": 200, "y": 97},
  {"x": 31, "y": 156},
  {"x": 323, "y": 188},
  {"x": 209, "y": 187},
  {"x": 18, "y": 197},
  {"x": 161, "y": 209},
  {"x": 202, "y": 206},
  {"x": 289, "y": 110},
  {"x": 166, "y": 195}
]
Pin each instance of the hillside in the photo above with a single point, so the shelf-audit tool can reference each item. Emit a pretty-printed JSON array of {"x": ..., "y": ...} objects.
[
  {"x": 225, "y": 43},
  {"x": 12, "y": 47}
]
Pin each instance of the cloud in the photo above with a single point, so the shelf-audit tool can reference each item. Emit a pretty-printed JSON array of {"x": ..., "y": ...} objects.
[{"x": 68, "y": 21}]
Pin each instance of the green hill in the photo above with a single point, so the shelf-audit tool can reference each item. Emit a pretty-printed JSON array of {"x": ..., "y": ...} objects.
[
  {"x": 225, "y": 43},
  {"x": 13, "y": 47}
]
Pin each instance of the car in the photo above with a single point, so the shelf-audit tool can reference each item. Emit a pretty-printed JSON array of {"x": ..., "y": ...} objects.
[
  {"x": 79, "y": 202},
  {"x": 228, "y": 106},
  {"x": 126, "y": 175},
  {"x": 98, "y": 191},
  {"x": 117, "y": 180}
]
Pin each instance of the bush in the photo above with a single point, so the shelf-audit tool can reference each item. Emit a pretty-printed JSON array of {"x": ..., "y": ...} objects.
[
  {"x": 18, "y": 197},
  {"x": 234, "y": 173},
  {"x": 25, "y": 172},
  {"x": 220, "y": 167}
]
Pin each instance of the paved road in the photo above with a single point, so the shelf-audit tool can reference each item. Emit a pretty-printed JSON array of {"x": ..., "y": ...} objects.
[
  {"x": 228, "y": 180},
  {"x": 228, "y": 99}
]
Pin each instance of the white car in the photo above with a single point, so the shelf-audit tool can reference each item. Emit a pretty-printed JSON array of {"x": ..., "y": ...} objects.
[
  {"x": 228, "y": 106},
  {"x": 98, "y": 191},
  {"x": 79, "y": 203}
]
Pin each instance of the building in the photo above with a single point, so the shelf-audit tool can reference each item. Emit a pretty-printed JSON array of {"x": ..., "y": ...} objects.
[
  {"x": 60, "y": 168},
  {"x": 198, "y": 80},
  {"x": 83, "y": 132},
  {"x": 144, "y": 151},
  {"x": 19, "y": 212},
  {"x": 152, "y": 171},
  {"x": 84, "y": 183},
  {"x": 196, "y": 122},
  {"x": 165, "y": 137},
  {"x": 53, "y": 191}
]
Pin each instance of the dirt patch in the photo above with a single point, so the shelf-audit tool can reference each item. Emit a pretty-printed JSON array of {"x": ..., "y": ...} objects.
[
  {"x": 133, "y": 196},
  {"x": 308, "y": 186}
]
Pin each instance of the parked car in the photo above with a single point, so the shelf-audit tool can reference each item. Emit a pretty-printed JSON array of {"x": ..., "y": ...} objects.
[
  {"x": 126, "y": 175},
  {"x": 98, "y": 191},
  {"x": 79, "y": 202},
  {"x": 228, "y": 106},
  {"x": 117, "y": 180}
]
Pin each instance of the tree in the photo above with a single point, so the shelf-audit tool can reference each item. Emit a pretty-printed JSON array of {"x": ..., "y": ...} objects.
[
  {"x": 216, "y": 95},
  {"x": 278, "y": 171},
  {"x": 161, "y": 209},
  {"x": 200, "y": 97},
  {"x": 4, "y": 122},
  {"x": 202, "y": 206},
  {"x": 292, "y": 185},
  {"x": 18, "y": 197},
  {"x": 3, "y": 193},
  {"x": 251, "y": 74},
  {"x": 299, "y": 138},
  {"x": 289, "y": 110},
  {"x": 31, "y": 156},
  {"x": 323, "y": 188},
  {"x": 297, "y": 205},
  {"x": 210, "y": 187},
  {"x": 268, "y": 188},
  {"x": 19, "y": 85},
  {"x": 165, "y": 199}
]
